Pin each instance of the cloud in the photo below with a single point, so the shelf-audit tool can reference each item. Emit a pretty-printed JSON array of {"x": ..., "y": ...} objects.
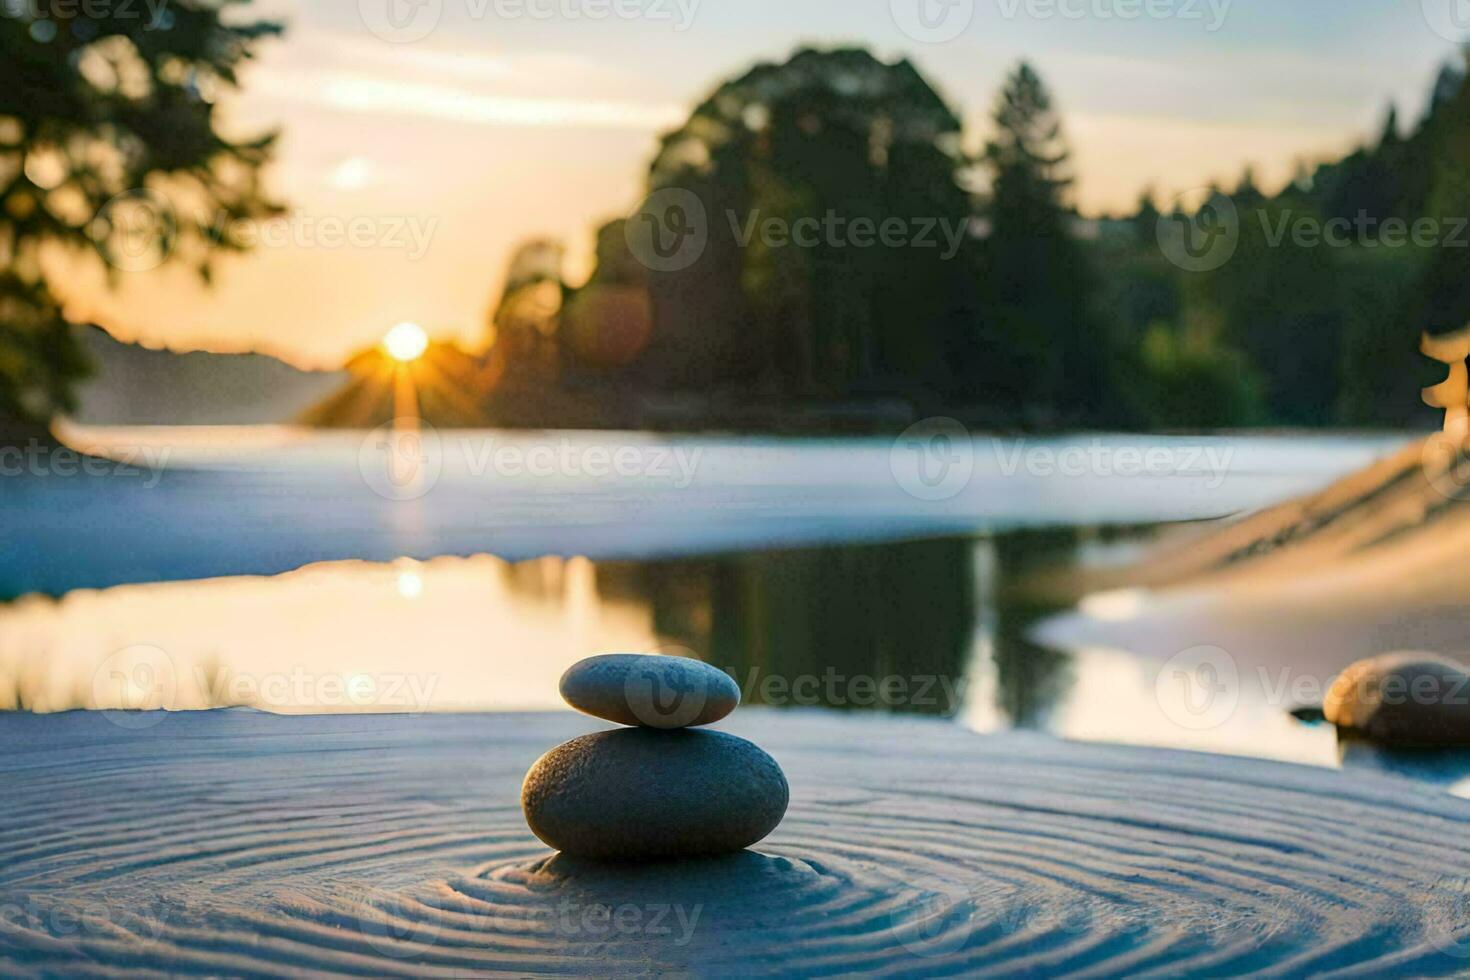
[
  {"x": 361, "y": 93},
  {"x": 351, "y": 75}
]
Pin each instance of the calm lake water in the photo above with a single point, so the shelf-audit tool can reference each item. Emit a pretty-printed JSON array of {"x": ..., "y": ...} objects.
[{"x": 299, "y": 572}]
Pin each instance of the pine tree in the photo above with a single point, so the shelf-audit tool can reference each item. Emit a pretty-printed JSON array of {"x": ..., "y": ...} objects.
[{"x": 1054, "y": 350}]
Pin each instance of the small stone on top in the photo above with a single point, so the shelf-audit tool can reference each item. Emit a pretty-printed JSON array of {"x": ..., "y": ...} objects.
[{"x": 650, "y": 691}]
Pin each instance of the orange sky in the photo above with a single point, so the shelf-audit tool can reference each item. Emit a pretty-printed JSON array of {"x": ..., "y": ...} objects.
[{"x": 414, "y": 168}]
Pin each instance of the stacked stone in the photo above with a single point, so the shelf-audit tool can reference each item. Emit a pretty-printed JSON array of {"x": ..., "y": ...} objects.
[{"x": 657, "y": 789}]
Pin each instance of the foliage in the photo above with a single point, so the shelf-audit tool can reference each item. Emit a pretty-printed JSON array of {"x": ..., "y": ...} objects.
[
  {"x": 1039, "y": 282},
  {"x": 1038, "y": 318},
  {"x": 1188, "y": 380},
  {"x": 826, "y": 133},
  {"x": 109, "y": 148},
  {"x": 1330, "y": 328}
]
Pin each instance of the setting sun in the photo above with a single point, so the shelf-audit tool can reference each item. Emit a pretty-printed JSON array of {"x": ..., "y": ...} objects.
[{"x": 406, "y": 342}]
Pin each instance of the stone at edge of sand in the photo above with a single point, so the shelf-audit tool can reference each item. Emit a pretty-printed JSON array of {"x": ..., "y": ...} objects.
[{"x": 1403, "y": 699}]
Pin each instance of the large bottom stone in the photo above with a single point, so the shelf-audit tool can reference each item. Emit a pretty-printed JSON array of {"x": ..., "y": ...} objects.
[{"x": 636, "y": 794}]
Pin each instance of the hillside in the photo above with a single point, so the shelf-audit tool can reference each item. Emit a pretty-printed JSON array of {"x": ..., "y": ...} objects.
[
  {"x": 1413, "y": 499},
  {"x": 136, "y": 385}
]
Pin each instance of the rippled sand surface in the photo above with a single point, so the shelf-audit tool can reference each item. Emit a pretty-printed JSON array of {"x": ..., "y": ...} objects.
[{"x": 236, "y": 843}]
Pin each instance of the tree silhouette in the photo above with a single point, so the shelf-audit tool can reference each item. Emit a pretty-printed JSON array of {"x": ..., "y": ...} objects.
[
  {"x": 108, "y": 146},
  {"x": 1053, "y": 348},
  {"x": 1018, "y": 327},
  {"x": 524, "y": 336},
  {"x": 609, "y": 320},
  {"x": 1445, "y": 288},
  {"x": 828, "y": 134}
]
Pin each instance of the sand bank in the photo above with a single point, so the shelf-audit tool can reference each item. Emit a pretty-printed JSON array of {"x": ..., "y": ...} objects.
[
  {"x": 247, "y": 844},
  {"x": 1378, "y": 561}
]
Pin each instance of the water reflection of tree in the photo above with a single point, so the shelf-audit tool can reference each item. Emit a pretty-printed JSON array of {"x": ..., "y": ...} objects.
[
  {"x": 897, "y": 610},
  {"x": 910, "y": 610},
  {"x": 1030, "y": 679}
]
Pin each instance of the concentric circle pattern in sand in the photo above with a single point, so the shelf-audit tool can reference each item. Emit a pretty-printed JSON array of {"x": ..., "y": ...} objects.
[{"x": 233, "y": 843}]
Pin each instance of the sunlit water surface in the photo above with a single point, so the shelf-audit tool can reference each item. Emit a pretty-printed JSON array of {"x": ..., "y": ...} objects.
[{"x": 809, "y": 571}]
